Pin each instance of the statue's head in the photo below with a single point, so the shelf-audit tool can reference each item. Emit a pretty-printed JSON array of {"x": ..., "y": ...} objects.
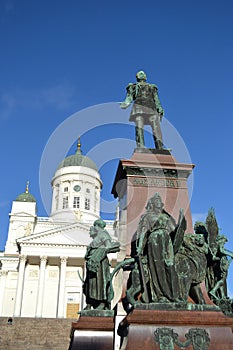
[
  {"x": 99, "y": 223},
  {"x": 155, "y": 202},
  {"x": 96, "y": 226},
  {"x": 221, "y": 239},
  {"x": 199, "y": 239},
  {"x": 141, "y": 76}
]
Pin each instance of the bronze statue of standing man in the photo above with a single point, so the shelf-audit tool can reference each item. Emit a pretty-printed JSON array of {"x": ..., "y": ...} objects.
[
  {"x": 97, "y": 285},
  {"x": 146, "y": 110}
]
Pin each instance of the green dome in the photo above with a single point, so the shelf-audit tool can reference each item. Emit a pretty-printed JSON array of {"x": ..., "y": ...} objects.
[
  {"x": 25, "y": 197},
  {"x": 78, "y": 160}
]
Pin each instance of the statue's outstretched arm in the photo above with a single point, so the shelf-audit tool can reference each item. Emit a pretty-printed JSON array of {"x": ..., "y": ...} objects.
[
  {"x": 227, "y": 252},
  {"x": 129, "y": 97}
]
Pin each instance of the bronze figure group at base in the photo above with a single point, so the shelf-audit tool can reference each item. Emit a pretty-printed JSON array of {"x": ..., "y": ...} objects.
[
  {"x": 166, "y": 259},
  {"x": 167, "y": 265}
]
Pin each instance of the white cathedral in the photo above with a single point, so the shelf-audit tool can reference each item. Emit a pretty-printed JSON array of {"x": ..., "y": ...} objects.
[{"x": 43, "y": 262}]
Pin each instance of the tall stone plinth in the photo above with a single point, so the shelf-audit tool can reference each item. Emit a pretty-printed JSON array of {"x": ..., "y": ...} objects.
[
  {"x": 139, "y": 178},
  {"x": 93, "y": 332},
  {"x": 176, "y": 329}
]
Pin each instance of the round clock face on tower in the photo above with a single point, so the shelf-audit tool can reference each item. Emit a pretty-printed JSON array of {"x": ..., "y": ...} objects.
[{"x": 77, "y": 188}]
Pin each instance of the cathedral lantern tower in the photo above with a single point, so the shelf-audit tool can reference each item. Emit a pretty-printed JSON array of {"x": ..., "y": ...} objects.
[
  {"x": 76, "y": 189},
  {"x": 22, "y": 219}
]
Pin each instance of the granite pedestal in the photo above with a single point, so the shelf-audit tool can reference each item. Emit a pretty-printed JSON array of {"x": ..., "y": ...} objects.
[{"x": 138, "y": 179}]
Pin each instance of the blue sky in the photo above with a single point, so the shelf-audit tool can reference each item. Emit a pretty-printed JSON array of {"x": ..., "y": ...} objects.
[{"x": 60, "y": 57}]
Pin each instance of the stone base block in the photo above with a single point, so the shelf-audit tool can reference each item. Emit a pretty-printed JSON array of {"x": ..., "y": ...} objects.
[
  {"x": 173, "y": 330},
  {"x": 92, "y": 332}
]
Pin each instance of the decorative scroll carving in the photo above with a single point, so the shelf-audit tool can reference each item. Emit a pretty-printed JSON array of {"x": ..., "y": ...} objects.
[
  {"x": 167, "y": 338},
  {"x": 64, "y": 259}
]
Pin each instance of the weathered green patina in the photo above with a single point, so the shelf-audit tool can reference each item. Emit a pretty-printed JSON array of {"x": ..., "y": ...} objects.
[
  {"x": 191, "y": 264},
  {"x": 218, "y": 262},
  {"x": 155, "y": 252},
  {"x": 146, "y": 110},
  {"x": 97, "y": 287},
  {"x": 169, "y": 265},
  {"x": 78, "y": 159},
  {"x": 26, "y": 196}
]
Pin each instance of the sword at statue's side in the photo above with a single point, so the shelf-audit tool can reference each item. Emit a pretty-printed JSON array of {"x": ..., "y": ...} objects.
[
  {"x": 141, "y": 233},
  {"x": 142, "y": 273}
]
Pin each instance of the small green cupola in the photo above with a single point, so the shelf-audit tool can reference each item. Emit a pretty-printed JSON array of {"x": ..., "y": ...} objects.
[{"x": 26, "y": 196}]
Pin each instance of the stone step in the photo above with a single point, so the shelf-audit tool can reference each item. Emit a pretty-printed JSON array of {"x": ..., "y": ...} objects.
[{"x": 35, "y": 333}]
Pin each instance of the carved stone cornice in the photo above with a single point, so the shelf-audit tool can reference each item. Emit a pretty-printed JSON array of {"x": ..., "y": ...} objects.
[
  {"x": 144, "y": 171},
  {"x": 157, "y": 172}
]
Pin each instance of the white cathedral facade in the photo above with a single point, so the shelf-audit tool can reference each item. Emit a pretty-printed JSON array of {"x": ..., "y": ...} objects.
[{"x": 43, "y": 260}]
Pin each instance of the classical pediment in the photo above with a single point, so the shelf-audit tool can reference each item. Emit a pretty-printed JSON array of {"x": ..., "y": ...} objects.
[
  {"x": 73, "y": 234},
  {"x": 22, "y": 214}
]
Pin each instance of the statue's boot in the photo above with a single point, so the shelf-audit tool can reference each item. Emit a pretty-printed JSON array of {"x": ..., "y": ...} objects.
[
  {"x": 101, "y": 306},
  {"x": 158, "y": 144},
  {"x": 157, "y": 133},
  {"x": 88, "y": 307}
]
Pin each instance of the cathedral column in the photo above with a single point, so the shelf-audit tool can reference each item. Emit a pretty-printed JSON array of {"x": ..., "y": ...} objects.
[
  {"x": 82, "y": 296},
  {"x": 61, "y": 295},
  {"x": 39, "y": 306},
  {"x": 3, "y": 277},
  {"x": 19, "y": 291}
]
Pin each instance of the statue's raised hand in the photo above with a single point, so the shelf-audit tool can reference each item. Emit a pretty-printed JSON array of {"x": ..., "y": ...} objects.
[{"x": 124, "y": 105}]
